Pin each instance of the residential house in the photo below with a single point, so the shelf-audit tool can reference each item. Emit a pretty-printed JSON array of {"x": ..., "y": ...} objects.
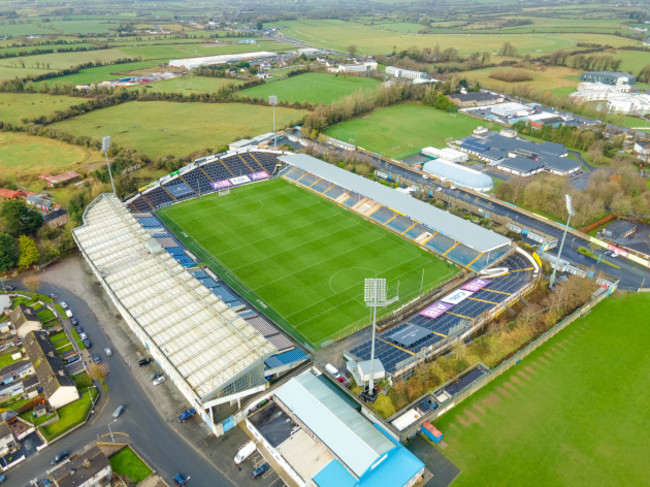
[
  {"x": 24, "y": 320},
  {"x": 89, "y": 468}
]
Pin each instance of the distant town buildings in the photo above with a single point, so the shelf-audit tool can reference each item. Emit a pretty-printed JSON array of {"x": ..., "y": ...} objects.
[
  {"x": 405, "y": 73},
  {"x": 618, "y": 97},
  {"x": 195, "y": 62},
  {"x": 355, "y": 68},
  {"x": 613, "y": 78}
]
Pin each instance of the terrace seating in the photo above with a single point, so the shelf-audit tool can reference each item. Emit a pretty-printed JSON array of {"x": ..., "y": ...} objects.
[
  {"x": 268, "y": 160},
  {"x": 400, "y": 224},
  {"x": 382, "y": 215},
  {"x": 462, "y": 254},
  {"x": 389, "y": 355},
  {"x": 216, "y": 170},
  {"x": 198, "y": 182},
  {"x": 440, "y": 243},
  {"x": 158, "y": 197},
  {"x": 295, "y": 174}
]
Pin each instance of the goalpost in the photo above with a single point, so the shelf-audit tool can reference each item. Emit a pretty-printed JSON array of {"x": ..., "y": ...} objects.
[{"x": 224, "y": 192}]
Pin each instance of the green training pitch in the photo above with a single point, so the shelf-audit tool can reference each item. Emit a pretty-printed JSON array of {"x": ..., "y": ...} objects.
[
  {"x": 311, "y": 87},
  {"x": 301, "y": 259},
  {"x": 572, "y": 413},
  {"x": 402, "y": 130}
]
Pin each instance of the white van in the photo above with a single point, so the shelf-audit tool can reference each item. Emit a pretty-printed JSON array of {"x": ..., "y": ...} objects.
[{"x": 244, "y": 452}]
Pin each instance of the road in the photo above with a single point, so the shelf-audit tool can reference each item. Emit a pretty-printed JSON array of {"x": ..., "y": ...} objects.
[
  {"x": 631, "y": 276},
  {"x": 151, "y": 434}
]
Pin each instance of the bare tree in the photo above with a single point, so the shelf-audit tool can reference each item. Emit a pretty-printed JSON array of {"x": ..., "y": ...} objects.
[
  {"x": 32, "y": 282},
  {"x": 98, "y": 372}
]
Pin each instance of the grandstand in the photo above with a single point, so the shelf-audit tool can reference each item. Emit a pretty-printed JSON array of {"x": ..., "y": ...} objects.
[
  {"x": 431, "y": 330},
  {"x": 453, "y": 238},
  {"x": 203, "y": 176},
  {"x": 209, "y": 352}
]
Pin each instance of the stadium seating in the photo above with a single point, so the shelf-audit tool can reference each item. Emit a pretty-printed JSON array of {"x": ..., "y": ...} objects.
[
  {"x": 307, "y": 180},
  {"x": 465, "y": 381},
  {"x": 439, "y": 243},
  {"x": 321, "y": 186},
  {"x": 197, "y": 180},
  {"x": 295, "y": 174},
  {"x": 462, "y": 255},
  {"x": 382, "y": 215},
  {"x": 416, "y": 231},
  {"x": 285, "y": 358},
  {"x": 158, "y": 198},
  {"x": 400, "y": 224},
  {"x": 352, "y": 200},
  {"x": 335, "y": 192}
]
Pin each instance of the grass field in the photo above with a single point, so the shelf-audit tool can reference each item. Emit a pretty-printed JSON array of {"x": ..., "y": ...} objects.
[
  {"x": 126, "y": 462},
  {"x": 402, "y": 130},
  {"x": 192, "y": 84},
  {"x": 302, "y": 256},
  {"x": 160, "y": 128},
  {"x": 23, "y": 154},
  {"x": 311, "y": 87},
  {"x": 14, "y": 107},
  {"x": 99, "y": 74},
  {"x": 572, "y": 413}
]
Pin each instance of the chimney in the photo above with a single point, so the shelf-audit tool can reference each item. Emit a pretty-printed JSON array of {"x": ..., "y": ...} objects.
[{"x": 86, "y": 463}]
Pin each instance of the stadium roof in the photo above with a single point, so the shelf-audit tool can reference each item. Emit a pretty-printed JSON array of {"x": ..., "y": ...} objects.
[
  {"x": 460, "y": 175},
  {"x": 438, "y": 220},
  {"x": 352, "y": 438},
  {"x": 206, "y": 342}
]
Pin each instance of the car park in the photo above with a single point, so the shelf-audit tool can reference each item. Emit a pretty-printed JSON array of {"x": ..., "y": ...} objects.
[
  {"x": 60, "y": 457},
  {"x": 144, "y": 361},
  {"x": 259, "y": 471},
  {"x": 64, "y": 305},
  {"x": 180, "y": 479},
  {"x": 159, "y": 380},
  {"x": 87, "y": 343},
  {"x": 96, "y": 358},
  {"x": 108, "y": 352},
  {"x": 118, "y": 412}
]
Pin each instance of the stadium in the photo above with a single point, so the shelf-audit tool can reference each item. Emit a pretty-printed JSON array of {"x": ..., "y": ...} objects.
[{"x": 216, "y": 265}]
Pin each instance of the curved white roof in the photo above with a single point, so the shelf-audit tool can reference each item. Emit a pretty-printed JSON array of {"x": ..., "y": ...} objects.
[{"x": 459, "y": 175}]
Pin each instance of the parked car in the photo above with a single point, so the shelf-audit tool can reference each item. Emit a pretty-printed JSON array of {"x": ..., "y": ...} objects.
[
  {"x": 2, "y": 478},
  {"x": 96, "y": 358},
  {"x": 9, "y": 288},
  {"x": 187, "y": 414},
  {"x": 245, "y": 451},
  {"x": 73, "y": 359},
  {"x": 74, "y": 321},
  {"x": 87, "y": 343},
  {"x": 155, "y": 375},
  {"x": 259, "y": 471},
  {"x": 46, "y": 483},
  {"x": 52, "y": 296},
  {"x": 180, "y": 479},
  {"x": 64, "y": 305},
  {"x": 60, "y": 457},
  {"x": 159, "y": 380},
  {"x": 83, "y": 336},
  {"x": 80, "y": 329},
  {"x": 118, "y": 412},
  {"x": 68, "y": 313},
  {"x": 108, "y": 352},
  {"x": 144, "y": 361}
]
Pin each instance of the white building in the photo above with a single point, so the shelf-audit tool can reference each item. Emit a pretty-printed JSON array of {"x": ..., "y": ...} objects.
[
  {"x": 405, "y": 73},
  {"x": 447, "y": 153},
  {"x": 195, "y": 62},
  {"x": 355, "y": 68}
]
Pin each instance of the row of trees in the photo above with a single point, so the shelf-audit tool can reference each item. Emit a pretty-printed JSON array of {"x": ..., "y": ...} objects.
[
  {"x": 620, "y": 189},
  {"x": 585, "y": 62}
]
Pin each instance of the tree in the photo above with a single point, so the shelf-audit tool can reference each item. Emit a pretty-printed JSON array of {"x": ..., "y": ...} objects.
[
  {"x": 32, "y": 283},
  {"x": 19, "y": 219},
  {"x": 352, "y": 50},
  {"x": 98, "y": 372},
  {"x": 27, "y": 252},
  {"x": 507, "y": 50},
  {"x": 8, "y": 252}
]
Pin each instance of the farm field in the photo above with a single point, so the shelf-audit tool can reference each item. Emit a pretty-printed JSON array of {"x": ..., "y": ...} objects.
[
  {"x": 337, "y": 34},
  {"x": 209, "y": 47},
  {"x": 303, "y": 257},
  {"x": 23, "y": 154},
  {"x": 159, "y": 128},
  {"x": 14, "y": 107},
  {"x": 558, "y": 80},
  {"x": 402, "y": 130},
  {"x": 562, "y": 414},
  {"x": 311, "y": 87},
  {"x": 191, "y": 84}
]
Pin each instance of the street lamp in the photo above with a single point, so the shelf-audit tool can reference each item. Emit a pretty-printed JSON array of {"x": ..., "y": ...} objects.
[
  {"x": 375, "y": 296},
  {"x": 273, "y": 100},
  {"x": 569, "y": 209},
  {"x": 106, "y": 143}
]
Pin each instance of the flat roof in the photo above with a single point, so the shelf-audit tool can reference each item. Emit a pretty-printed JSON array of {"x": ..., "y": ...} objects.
[
  {"x": 204, "y": 340},
  {"x": 352, "y": 438},
  {"x": 474, "y": 236}
]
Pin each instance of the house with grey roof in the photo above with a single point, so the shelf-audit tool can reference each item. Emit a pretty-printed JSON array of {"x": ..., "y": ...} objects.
[
  {"x": 24, "y": 320},
  {"x": 58, "y": 386},
  {"x": 89, "y": 468}
]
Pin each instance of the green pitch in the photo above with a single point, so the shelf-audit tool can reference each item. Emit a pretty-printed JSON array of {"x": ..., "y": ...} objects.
[
  {"x": 301, "y": 259},
  {"x": 573, "y": 413}
]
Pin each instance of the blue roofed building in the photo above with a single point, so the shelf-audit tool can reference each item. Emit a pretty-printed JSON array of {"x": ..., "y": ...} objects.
[{"x": 330, "y": 443}]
